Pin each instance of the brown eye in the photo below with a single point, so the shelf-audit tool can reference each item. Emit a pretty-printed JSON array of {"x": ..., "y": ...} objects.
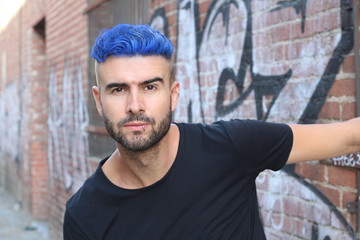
[
  {"x": 150, "y": 87},
  {"x": 118, "y": 90}
]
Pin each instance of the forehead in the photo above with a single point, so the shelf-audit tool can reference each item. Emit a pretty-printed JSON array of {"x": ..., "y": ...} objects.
[{"x": 133, "y": 69}]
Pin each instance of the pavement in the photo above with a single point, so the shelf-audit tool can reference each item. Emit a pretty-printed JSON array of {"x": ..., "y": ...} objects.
[{"x": 16, "y": 224}]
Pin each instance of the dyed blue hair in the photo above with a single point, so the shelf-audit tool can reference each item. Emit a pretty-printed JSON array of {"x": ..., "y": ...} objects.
[{"x": 131, "y": 40}]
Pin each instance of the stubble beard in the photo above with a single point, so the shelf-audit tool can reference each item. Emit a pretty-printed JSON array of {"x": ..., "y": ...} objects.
[{"x": 138, "y": 143}]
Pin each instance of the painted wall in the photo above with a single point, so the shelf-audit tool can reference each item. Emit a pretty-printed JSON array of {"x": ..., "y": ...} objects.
[
  {"x": 278, "y": 61},
  {"x": 43, "y": 106},
  {"x": 23, "y": 108},
  {"x": 284, "y": 61},
  {"x": 67, "y": 141}
]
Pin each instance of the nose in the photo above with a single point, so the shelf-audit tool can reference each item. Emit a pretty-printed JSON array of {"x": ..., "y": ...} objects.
[{"x": 135, "y": 104}]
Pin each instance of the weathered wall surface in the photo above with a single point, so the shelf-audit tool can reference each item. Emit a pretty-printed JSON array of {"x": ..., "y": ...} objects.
[
  {"x": 282, "y": 61},
  {"x": 44, "y": 54},
  {"x": 23, "y": 107}
]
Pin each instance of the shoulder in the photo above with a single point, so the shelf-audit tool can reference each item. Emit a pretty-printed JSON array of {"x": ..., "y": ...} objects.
[
  {"x": 238, "y": 132},
  {"x": 193, "y": 130},
  {"x": 79, "y": 209},
  {"x": 218, "y": 133},
  {"x": 251, "y": 127},
  {"x": 201, "y": 127},
  {"x": 234, "y": 124},
  {"x": 87, "y": 193},
  {"x": 82, "y": 195}
]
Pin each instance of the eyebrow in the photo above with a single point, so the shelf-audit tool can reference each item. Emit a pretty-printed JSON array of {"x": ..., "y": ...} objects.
[
  {"x": 121, "y": 85},
  {"x": 157, "y": 79}
]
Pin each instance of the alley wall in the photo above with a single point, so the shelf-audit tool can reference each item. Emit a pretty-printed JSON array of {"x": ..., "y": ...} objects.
[{"x": 276, "y": 61}]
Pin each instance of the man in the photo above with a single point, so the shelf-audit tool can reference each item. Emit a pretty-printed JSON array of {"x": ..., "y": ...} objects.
[{"x": 176, "y": 180}]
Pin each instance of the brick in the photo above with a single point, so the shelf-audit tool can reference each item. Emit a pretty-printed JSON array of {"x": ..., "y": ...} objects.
[
  {"x": 348, "y": 65},
  {"x": 275, "y": 39},
  {"x": 172, "y": 20},
  {"x": 302, "y": 229},
  {"x": 292, "y": 207},
  {"x": 343, "y": 87},
  {"x": 342, "y": 177},
  {"x": 348, "y": 196},
  {"x": 348, "y": 111},
  {"x": 281, "y": 222},
  {"x": 331, "y": 192},
  {"x": 330, "y": 110},
  {"x": 311, "y": 171}
]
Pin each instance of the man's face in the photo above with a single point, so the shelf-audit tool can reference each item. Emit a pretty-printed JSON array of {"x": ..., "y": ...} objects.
[{"x": 136, "y": 100}]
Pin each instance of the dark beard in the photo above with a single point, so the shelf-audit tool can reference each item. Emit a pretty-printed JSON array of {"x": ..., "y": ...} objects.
[{"x": 139, "y": 144}]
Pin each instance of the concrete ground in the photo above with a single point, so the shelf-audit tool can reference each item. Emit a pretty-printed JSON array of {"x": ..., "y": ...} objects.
[{"x": 16, "y": 224}]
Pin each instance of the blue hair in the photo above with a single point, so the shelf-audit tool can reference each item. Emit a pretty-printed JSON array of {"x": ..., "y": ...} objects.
[{"x": 131, "y": 40}]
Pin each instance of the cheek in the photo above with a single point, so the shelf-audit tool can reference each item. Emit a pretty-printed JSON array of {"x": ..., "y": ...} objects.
[
  {"x": 166, "y": 103},
  {"x": 159, "y": 108},
  {"x": 112, "y": 108}
]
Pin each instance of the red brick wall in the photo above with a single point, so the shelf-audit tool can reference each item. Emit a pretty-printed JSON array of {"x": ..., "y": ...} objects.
[
  {"x": 67, "y": 56},
  {"x": 298, "y": 66},
  {"x": 33, "y": 72},
  {"x": 245, "y": 59},
  {"x": 24, "y": 109}
]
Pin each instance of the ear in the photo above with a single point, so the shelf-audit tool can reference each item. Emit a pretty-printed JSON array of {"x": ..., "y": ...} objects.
[
  {"x": 175, "y": 94},
  {"x": 97, "y": 97}
]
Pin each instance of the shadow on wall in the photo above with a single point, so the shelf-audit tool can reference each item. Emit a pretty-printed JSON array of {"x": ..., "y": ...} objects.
[{"x": 244, "y": 63}]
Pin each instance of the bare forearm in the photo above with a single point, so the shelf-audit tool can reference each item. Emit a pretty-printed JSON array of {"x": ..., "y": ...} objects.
[{"x": 321, "y": 141}]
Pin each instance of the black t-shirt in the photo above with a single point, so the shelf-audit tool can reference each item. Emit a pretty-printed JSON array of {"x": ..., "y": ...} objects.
[{"x": 208, "y": 193}]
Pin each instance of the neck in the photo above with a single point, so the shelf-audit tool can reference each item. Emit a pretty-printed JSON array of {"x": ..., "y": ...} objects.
[
  {"x": 129, "y": 169},
  {"x": 142, "y": 159}
]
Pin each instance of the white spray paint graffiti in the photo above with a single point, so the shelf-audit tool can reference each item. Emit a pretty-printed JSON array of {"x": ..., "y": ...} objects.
[
  {"x": 285, "y": 203},
  {"x": 67, "y": 122},
  {"x": 266, "y": 73},
  {"x": 217, "y": 61},
  {"x": 307, "y": 59},
  {"x": 186, "y": 71},
  {"x": 25, "y": 132},
  {"x": 10, "y": 120},
  {"x": 14, "y": 129},
  {"x": 350, "y": 160}
]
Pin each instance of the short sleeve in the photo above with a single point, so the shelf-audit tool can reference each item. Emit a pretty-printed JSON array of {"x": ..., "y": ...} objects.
[
  {"x": 261, "y": 145},
  {"x": 71, "y": 230}
]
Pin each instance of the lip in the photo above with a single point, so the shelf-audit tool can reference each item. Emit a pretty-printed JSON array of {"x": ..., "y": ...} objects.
[{"x": 136, "y": 126}]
